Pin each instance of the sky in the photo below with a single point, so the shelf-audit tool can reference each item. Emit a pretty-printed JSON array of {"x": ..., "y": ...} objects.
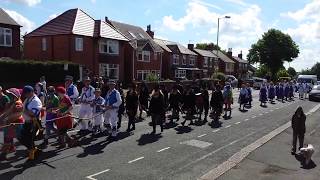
[{"x": 194, "y": 21}]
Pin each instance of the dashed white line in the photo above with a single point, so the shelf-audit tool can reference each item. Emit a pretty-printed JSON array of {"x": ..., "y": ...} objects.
[
  {"x": 254, "y": 117},
  {"x": 246, "y": 120},
  {"x": 277, "y": 108},
  {"x": 132, "y": 161},
  {"x": 96, "y": 174},
  {"x": 216, "y": 130},
  {"x": 271, "y": 110},
  {"x": 202, "y": 135},
  {"x": 238, "y": 122},
  {"x": 227, "y": 126},
  {"x": 163, "y": 149},
  {"x": 266, "y": 112},
  {"x": 261, "y": 114}
]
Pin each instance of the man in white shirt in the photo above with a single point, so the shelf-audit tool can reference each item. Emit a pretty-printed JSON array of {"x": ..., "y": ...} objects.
[
  {"x": 86, "y": 98},
  {"x": 72, "y": 90},
  {"x": 112, "y": 103},
  {"x": 31, "y": 115}
]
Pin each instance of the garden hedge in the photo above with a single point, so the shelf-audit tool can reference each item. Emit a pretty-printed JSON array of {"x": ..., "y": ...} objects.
[{"x": 21, "y": 72}]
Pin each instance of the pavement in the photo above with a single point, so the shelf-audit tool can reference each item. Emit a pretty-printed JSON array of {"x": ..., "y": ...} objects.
[
  {"x": 177, "y": 153},
  {"x": 274, "y": 161}
]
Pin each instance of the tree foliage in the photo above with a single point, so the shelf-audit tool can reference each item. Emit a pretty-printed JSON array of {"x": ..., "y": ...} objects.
[
  {"x": 315, "y": 70},
  {"x": 272, "y": 50},
  {"x": 292, "y": 72},
  {"x": 282, "y": 73},
  {"x": 262, "y": 71},
  {"x": 207, "y": 46}
]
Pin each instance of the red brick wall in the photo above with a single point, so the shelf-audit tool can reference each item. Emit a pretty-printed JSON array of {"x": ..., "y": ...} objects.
[
  {"x": 14, "y": 51},
  {"x": 166, "y": 65}
]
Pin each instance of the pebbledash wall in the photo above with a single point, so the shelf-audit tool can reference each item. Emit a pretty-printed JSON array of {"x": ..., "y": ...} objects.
[{"x": 62, "y": 47}]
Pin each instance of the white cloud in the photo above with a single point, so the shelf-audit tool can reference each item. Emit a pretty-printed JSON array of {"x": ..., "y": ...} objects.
[
  {"x": 28, "y": 25},
  {"x": 310, "y": 11},
  {"x": 93, "y": 1},
  {"x": 26, "y": 2},
  {"x": 52, "y": 16},
  {"x": 238, "y": 2}
]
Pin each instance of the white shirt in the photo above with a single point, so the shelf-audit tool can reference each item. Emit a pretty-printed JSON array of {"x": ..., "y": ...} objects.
[
  {"x": 118, "y": 96},
  {"x": 87, "y": 94},
  {"x": 75, "y": 92},
  {"x": 32, "y": 104}
]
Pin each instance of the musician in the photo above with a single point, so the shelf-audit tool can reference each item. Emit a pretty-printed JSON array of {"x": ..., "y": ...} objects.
[
  {"x": 112, "y": 103},
  {"x": 157, "y": 108},
  {"x": 175, "y": 99},
  {"x": 31, "y": 114},
  {"x": 12, "y": 115},
  {"x": 64, "y": 121},
  {"x": 85, "y": 99},
  {"x": 143, "y": 98}
]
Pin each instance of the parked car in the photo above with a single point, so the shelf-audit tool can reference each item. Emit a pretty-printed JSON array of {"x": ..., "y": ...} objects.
[
  {"x": 258, "y": 82},
  {"x": 314, "y": 94},
  {"x": 233, "y": 80}
]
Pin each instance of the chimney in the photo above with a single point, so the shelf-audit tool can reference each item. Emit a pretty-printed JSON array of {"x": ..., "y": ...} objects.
[
  {"x": 229, "y": 53},
  {"x": 151, "y": 33},
  {"x": 191, "y": 46},
  {"x": 106, "y": 19},
  {"x": 240, "y": 55}
]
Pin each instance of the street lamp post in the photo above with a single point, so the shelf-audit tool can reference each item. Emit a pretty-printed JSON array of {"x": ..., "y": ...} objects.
[{"x": 225, "y": 17}]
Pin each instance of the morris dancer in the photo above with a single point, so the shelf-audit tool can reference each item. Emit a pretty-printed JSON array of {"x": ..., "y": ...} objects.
[
  {"x": 51, "y": 105},
  {"x": 301, "y": 91},
  {"x": 31, "y": 115},
  {"x": 228, "y": 100},
  {"x": 216, "y": 104},
  {"x": 85, "y": 99},
  {"x": 112, "y": 103},
  {"x": 132, "y": 103},
  {"x": 174, "y": 103},
  {"x": 188, "y": 105},
  {"x": 72, "y": 90},
  {"x": 157, "y": 108},
  {"x": 263, "y": 96},
  {"x": 97, "y": 105},
  {"x": 64, "y": 121},
  {"x": 249, "y": 94},
  {"x": 271, "y": 92},
  {"x": 122, "y": 106},
  {"x": 206, "y": 103},
  {"x": 281, "y": 92},
  {"x": 143, "y": 99},
  {"x": 243, "y": 97},
  {"x": 13, "y": 115}
]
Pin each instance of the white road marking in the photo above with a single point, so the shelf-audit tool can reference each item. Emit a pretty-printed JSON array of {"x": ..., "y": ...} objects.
[
  {"x": 271, "y": 110},
  {"x": 202, "y": 135},
  {"x": 261, "y": 114},
  {"x": 227, "y": 126},
  {"x": 132, "y": 161},
  {"x": 96, "y": 174},
  {"x": 74, "y": 131},
  {"x": 163, "y": 149},
  {"x": 238, "y": 122},
  {"x": 254, "y": 117},
  {"x": 216, "y": 130},
  {"x": 266, "y": 112},
  {"x": 277, "y": 108},
  {"x": 243, "y": 153},
  {"x": 246, "y": 120}
]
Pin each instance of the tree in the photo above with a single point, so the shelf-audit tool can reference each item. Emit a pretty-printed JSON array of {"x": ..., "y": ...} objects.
[
  {"x": 316, "y": 69},
  {"x": 292, "y": 72},
  {"x": 207, "y": 46},
  {"x": 282, "y": 73},
  {"x": 262, "y": 71},
  {"x": 272, "y": 50}
]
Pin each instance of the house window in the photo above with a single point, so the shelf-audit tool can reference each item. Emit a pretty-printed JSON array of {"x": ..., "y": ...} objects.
[
  {"x": 180, "y": 73},
  {"x": 142, "y": 74},
  {"x": 205, "y": 62},
  {"x": 79, "y": 44},
  {"x": 5, "y": 37},
  {"x": 109, "y": 47},
  {"x": 110, "y": 71},
  {"x": 184, "y": 60},
  {"x": 144, "y": 56},
  {"x": 176, "y": 59},
  {"x": 192, "y": 60},
  {"x": 44, "y": 44},
  {"x": 156, "y": 72}
]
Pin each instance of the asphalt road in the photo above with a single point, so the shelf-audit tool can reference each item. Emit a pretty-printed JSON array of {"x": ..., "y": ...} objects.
[{"x": 178, "y": 153}]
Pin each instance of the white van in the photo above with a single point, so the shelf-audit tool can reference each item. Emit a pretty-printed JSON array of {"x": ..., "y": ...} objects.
[{"x": 309, "y": 79}]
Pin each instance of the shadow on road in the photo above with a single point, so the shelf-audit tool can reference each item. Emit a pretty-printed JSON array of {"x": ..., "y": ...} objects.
[
  {"x": 183, "y": 129},
  {"x": 301, "y": 159},
  {"x": 148, "y": 139}
]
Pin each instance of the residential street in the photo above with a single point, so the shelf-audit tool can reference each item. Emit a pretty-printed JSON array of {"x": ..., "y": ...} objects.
[{"x": 178, "y": 153}]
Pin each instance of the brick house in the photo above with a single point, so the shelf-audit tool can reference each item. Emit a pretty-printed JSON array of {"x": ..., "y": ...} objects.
[
  {"x": 241, "y": 65},
  {"x": 9, "y": 36},
  {"x": 76, "y": 37},
  {"x": 178, "y": 61},
  {"x": 207, "y": 61},
  {"x": 143, "y": 56},
  {"x": 226, "y": 64}
]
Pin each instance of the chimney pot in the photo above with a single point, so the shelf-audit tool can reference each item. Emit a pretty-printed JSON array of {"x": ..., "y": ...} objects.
[
  {"x": 229, "y": 53},
  {"x": 240, "y": 55},
  {"x": 191, "y": 46}
]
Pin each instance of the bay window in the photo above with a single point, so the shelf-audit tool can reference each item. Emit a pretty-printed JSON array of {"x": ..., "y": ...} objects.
[
  {"x": 109, "y": 47},
  {"x": 179, "y": 73}
]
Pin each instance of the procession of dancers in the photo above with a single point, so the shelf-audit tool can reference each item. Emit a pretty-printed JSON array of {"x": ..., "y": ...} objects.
[{"x": 36, "y": 114}]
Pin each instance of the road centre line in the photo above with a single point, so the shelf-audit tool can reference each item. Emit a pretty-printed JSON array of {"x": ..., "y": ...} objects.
[
  {"x": 139, "y": 158},
  {"x": 227, "y": 126},
  {"x": 246, "y": 120},
  {"x": 254, "y": 117},
  {"x": 261, "y": 114},
  {"x": 216, "y": 130},
  {"x": 238, "y": 122},
  {"x": 163, "y": 149},
  {"x": 202, "y": 135},
  {"x": 96, "y": 174}
]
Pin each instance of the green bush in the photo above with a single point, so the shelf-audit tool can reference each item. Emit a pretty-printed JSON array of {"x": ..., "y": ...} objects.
[
  {"x": 218, "y": 76},
  {"x": 152, "y": 77},
  {"x": 21, "y": 72}
]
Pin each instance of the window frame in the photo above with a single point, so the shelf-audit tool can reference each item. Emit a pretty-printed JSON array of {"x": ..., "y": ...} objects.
[
  {"x": 106, "y": 43},
  {"x": 175, "y": 59},
  {"x": 180, "y": 73},
  {"x": 5, "y": 34},
  {"x": 206, "y": 61},
  {"x": 143, "y": 54},
  {"x": 192, "y": 60},
  {"x": 44, "y": 44},
  {"x": 184, "y": 59},
  {"x": 107, "y": 69},
  {"x": 144, "y": 74},
  {"x": 79, "y": 47}
]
